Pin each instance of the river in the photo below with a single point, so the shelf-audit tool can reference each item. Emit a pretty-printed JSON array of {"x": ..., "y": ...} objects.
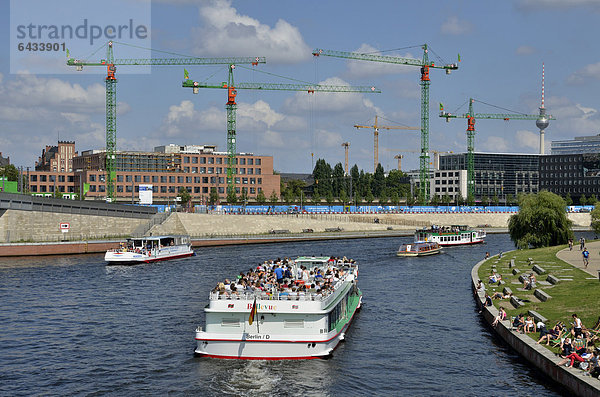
[{"x": 73, "y": 326}]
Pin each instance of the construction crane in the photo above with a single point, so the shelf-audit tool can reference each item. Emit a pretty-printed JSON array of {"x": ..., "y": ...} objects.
[
  {"x": 111, "y": 93},
  {"x": 231, "y": 105},
  {"x": 346, "y": 146},
  {"x": 425, "y": 65},
  {"x": 376, "y": 128},
  {"x": 399, "y": 157},
  {"x": 471, "y": 116},
  {"x": 435, "y": 155}
]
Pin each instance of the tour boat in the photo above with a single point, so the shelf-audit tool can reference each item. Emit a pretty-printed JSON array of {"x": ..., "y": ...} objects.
[
  {"x": 450, "y": 235},
  {"x": 419, "y": 248},
  {"x": 150, "y": 249},
  {"x": 280, "y": 325}
]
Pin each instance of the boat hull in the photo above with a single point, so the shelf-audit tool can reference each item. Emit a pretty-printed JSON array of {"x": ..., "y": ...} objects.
[
  {"x": 259, "y": 346},
  {"x": 412, "y": 254},
  {"x": 141, "y": 258}
]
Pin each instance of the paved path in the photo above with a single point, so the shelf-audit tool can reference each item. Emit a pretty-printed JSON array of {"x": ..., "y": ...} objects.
[{"x": 575, "y": 257}]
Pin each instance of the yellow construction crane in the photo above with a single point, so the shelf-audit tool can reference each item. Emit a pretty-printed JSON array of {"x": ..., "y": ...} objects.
[{"x": 376, "y": 128}]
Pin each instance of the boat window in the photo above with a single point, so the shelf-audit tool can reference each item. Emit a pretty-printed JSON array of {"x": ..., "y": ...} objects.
[
  {"x": 293, "y": 323},
  {"x": 230, "y": 322}
]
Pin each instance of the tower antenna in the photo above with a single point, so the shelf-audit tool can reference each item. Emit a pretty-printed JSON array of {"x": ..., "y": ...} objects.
[{"x": 542, "y": 122}]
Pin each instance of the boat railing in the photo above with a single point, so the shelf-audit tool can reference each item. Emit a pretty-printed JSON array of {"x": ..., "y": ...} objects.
[{"x": 276, "y": 295}]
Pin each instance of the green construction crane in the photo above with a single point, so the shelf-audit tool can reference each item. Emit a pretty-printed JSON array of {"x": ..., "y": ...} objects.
[
  {"x": 471, "y": 116},
  {"x": 231, "y": 105},
  {"x": 111, "y": 93},
  {"x": 425, "y": 65}
]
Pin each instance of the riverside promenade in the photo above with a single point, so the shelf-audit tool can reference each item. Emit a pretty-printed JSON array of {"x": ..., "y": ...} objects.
[{"x": 545, "y": 360}]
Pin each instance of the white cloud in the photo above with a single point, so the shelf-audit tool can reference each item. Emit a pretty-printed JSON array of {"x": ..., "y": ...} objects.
[
  {"x": 525, "y": 50},
  {"x": 362, "y": 69},
  {"x": 495, "y": 144},
  {"x": 225, "y": 32},
  {"x": 527, "y": 139},
  {"x": 454, "y": 26},
  {"x": 591, "y": 71},
  {"x": 325, "y": 102}
]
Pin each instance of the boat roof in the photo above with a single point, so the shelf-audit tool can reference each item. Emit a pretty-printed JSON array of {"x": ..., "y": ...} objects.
[{"x": 155, "y": 238}]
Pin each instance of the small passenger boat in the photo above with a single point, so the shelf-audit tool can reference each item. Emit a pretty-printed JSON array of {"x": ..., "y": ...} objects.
[
  {"x": 419, "y": 248},
  {"x": 451, "y": 235},
  {"x": 150, "y": 249},
  {"x": 303, "y": 317}
]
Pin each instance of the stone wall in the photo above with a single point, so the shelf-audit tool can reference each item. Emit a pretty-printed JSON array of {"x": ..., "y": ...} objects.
[{"x": 30, "y": 226}]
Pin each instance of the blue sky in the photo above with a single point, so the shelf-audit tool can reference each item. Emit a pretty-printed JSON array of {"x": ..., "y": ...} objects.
[{"x": 502, "y": 47}]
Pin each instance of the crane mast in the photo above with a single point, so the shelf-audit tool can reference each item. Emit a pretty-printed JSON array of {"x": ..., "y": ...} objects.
[
  {"x": 231, "y": 106},
  {"x": 111, "y": 94},
  {"x": 471, "y": 116},
  {"x": 425, "y": 65},
  {"x": 376, "y": 128}
]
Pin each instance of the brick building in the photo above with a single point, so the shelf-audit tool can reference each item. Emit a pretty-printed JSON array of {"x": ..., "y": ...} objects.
[{"x": 196, "y": 168}]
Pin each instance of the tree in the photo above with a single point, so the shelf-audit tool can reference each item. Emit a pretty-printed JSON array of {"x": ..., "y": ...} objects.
[
  {"x": 470, "y": 199},
  {"x": 568, "y": 199},
  {"x": 460, "y": 200},
  {"x": 329, "y": 198},
  {"x": 582, "y": 199},
  {"x": 213, "y": 198},
  {"x": 273, "y": 198},
  {"x": 344, "y": 197},
  {"x": 338, "y": 179},
  {"x": 260, "y": 197},
  {"x": 243, "y": 198},
  {"x": 395, "y": 198},
  {"x": 485, "y": 201},
  {"x": 231, "y": 196},
  {"x": 369, "y": 197},
  {"x": 446, "y": 199},
  {"x": 541, "y": 221},
  {"x": 410, "y": 200},
  {"x": 378, "y": 181},
  {"x": 316, "y": 199},
  {"x": 322, "y": 176},
  {"x": 592, "y": 200},
  {"x": 595, "y": 214},
  {"x": 495, "y": 200},
  {"x": 435, "y": 200},
  {"x": 10, "y": 172},
  {"x": 383, "y": 197},
  {"x": 57, "y": 194},
  {"x": 185, "y": 196},
  {"x": 510, "y": 200}
]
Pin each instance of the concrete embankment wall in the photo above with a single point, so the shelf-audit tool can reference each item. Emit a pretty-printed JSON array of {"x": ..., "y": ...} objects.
[
  {"x": 37, "y": 226},
  {"x": 215, "y": 225},
  {"x": 536, "y": 354}
]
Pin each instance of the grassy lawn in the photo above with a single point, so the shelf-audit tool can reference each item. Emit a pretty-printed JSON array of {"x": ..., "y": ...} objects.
[{"x": 575, "y": 293}]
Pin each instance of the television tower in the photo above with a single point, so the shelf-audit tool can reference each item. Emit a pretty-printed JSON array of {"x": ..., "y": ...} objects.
[{"x": 542, "y": 122}]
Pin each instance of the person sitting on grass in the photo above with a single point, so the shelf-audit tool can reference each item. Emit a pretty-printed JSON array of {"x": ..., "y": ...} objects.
[
  {"x": 500, "y": 295},
  {"x": 529, "y": 325},
  {"x": 552, "y": 334},
  {"x": 572, "y": 358},
  {"x": 518, "y": 322},
  {"x": 566, "y": 347}
]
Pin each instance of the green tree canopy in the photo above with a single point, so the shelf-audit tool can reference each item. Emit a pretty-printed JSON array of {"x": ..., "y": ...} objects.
[
  {"x": 231, "y": 196},
  {"x": 185, "y": 196},
  {"x": 213, "y": 198},
  {"x": 260, "y": 197},
  {"x": 273, "y": 198},
  {"x": 583, "y": 199},
  {"x": 541, "y": 221},
  {"x": 568, "y": 199},
  {"x": 10, "y": 172},
  {"x": 595, "y": 214}
]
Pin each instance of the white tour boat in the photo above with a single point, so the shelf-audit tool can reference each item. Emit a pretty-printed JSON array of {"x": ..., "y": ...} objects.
[
  {"x": 419, "y": 248},
  {"x": 275, "y": 324},
  {"x": 451, "y": 235},
  {"x": 150, "y": 249}
]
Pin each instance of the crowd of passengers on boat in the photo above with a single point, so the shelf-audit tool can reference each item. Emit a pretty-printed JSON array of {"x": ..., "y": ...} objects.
[{"x": 282, "y": 279}]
